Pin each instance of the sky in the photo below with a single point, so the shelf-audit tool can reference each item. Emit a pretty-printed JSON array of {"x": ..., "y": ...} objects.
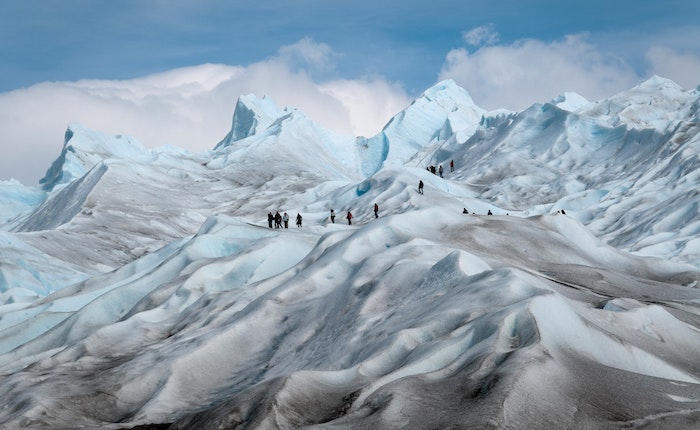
[{"x": 169, "y": 72}]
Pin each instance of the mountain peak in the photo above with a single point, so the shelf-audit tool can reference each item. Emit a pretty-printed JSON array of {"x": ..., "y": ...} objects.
[
  {"x": 655, "y": 88},
  {"x": 443, "y": 110},
  {"x": 448, "y": 90},
  {"x": 251, "y": 115},
  {"x": 658, "y": 83},
  {"x": 83, "y": 149}
]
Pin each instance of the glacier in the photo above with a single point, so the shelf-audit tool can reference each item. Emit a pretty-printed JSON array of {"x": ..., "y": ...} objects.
[{"x": 142, "y": 288}]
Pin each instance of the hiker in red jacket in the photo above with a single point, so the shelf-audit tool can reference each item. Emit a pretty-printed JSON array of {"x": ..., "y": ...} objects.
[
  {"x": 349, "y": 217},
  {"x": 376, "y": 210}
]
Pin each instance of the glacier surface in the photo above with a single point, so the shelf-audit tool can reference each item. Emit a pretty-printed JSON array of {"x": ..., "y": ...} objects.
[{"x": 143, "y": 288}]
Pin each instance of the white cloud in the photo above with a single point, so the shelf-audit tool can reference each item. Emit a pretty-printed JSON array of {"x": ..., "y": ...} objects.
[
  {"x": 529, "y": 71},
  {"x": 682, "y": 68},
  {"x": 308, "y": 53},
  {"x": 484, "y": 35},
  {"x": 365, "y": 118},
  {"x": 189, "y": 107}
]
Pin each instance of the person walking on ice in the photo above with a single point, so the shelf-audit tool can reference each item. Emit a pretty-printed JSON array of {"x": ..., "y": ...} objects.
[
  {"x": 278, "y": 220},
  {"x": 349, "y": 217},
  {"x": 299, "y": 220},
  {"x": 440, "y": 170},
  {"x": 376, "y": 210},
  {"x": 420, "y": 187},
  {"x": 285, "y": 218},
  {"x": 332, "y": 216}
]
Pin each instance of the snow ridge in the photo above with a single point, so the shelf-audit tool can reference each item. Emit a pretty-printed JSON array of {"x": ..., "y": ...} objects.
[{"x": 62, "y": 206}]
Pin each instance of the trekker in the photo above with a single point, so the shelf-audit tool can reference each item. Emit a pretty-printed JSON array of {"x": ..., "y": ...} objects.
[
  {"x": 452, "y": 165},
  {"x": 278, "y": 220},
  {"x": 465, "y": 211},
  {"x": 270, "y": 218},
  {"x": 332, "y": 216},
  {"x": 299, "y": 220},
  {"x": 376, "y": 210},
  {"x": 349, "y": 217},
  {"x": 420, "y": 187},
  {"x": 489, "y": 212},
  {"x": 285, "y": 219},
  {"x": 440, "y": 170}
]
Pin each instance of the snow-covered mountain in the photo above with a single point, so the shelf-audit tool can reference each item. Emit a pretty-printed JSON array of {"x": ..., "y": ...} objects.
[{"x": 143, "y": 288}]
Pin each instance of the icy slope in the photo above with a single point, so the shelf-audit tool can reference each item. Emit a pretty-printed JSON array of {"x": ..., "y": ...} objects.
[
  {"x": 421, "y": 318},
  {"x": 634, "y": 156}
]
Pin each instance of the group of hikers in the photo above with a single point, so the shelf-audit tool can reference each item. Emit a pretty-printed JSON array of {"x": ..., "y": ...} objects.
[
  {"x": 283, "y": 220},
  {"x": 349, "y": 216},
  {"x": 465, "y": 211},
  {"x": 280, "y": 220},
  {"x": 432, "y": 170},
  {"x": 439, "y": 170}
]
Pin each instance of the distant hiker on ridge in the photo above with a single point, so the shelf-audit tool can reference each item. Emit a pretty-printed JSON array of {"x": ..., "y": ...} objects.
[
  {"x": 349, "y": 217},
  {"x": 376, "y": 210},
  {"x": 452, "y": 165},
  {"x": 299, "y": 220},
  {"x": 332, "y": 216},
  {"x": 420, "y": 187}
]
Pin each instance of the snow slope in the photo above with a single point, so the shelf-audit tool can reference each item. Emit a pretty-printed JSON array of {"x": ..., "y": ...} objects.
[{"x": 143, "y": 287}]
